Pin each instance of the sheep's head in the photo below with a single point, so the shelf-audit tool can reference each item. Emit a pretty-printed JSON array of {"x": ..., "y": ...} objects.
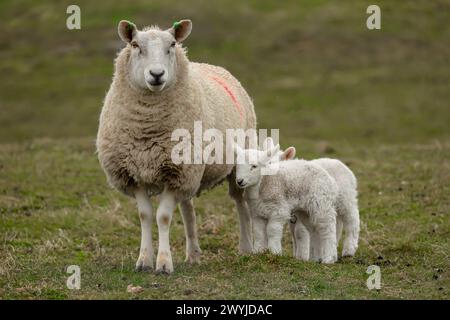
[
  {"x": 153, "y": 60},
  {"x": 250, "y": 163}
]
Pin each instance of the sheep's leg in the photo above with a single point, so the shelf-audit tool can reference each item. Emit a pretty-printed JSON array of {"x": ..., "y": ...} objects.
[
  {"x": 259, "y": 234},
  {"x": 145, "y": 260},
  {"x": 190, "y": 228},
  {"x": 164, "y": 214},
  {"x": 351, "y": 229},
  {"x": 245, "y": 226},
  {"x": 274, "y": 235},
  {"x": 302, "y": 243},
  {"x": 326, "y": 229}
]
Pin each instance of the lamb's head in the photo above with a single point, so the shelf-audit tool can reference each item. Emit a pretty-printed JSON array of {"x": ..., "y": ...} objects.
[
  {"x": 153, "y": 60},
  {"x": 250, "y": 163}
]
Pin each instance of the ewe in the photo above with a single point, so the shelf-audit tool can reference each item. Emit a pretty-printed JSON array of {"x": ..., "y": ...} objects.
[{"x": 155, "y": 90}]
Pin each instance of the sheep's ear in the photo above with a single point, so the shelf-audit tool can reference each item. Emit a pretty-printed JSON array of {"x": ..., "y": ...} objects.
[
  {"x": 181, "y": 29},
  {"x": 268, "y": 143},
  {"x": 288, "y": 154},
  {"x": 127, "y": 30}
]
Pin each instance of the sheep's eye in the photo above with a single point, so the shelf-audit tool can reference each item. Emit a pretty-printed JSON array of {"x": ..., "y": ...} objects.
[
  {"x": 134, "y": 45},
  {"x": 254, "y": 166},
  {"x": 171, "y": 46}
]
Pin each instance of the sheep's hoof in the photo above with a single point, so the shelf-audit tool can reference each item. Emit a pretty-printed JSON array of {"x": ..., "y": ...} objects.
[
  {"x": 164, "y": 263},
  {"x": 143, "y": 265},
  {"x": 193, "y": 257}
]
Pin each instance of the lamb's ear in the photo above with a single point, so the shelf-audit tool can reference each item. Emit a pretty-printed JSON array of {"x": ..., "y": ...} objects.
[
  {"x": 288, "y": 154},
  {"x": 127, "y": 30},
  {"x": 267, "y": 155},
  {"x": 237, "y": 148},
  {"x": 181, "y": 29},
  {"x": 273, "y": 151},
  {"x": 268, "y": 143}
]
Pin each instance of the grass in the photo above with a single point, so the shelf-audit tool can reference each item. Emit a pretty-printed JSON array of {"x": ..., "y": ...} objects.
[
  {"x": 376, "y": 99},
  {"x": 54, "y": 218}
]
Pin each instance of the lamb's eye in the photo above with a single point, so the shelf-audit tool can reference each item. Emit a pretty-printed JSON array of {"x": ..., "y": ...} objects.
[
  {"x": 134, "y": 44},
  {"x": 254, "y": 166}
]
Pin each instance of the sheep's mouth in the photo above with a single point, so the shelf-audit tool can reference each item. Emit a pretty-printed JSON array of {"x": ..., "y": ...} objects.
[{"x": 156, "y": 85}]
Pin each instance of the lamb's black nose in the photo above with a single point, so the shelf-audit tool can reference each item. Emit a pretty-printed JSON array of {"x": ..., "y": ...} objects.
[
  {"x": 157, "y": 73},
  {"x": 240, "y": 181}
]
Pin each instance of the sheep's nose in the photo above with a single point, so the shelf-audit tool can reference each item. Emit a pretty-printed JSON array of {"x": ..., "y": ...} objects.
[
  {"x": 157, "y": 73},
  {"x": 240, "y": 181}
]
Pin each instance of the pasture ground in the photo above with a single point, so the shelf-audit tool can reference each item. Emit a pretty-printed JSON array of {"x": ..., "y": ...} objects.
[{"x": 378, "y": 100}]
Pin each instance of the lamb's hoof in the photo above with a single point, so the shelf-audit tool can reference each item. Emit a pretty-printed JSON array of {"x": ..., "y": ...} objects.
[
  {"x": 349, "y": 252},
  {"x": 193, "y": 257},
  {"x": 144, "y": 264},
  {"x": 301, "y": 257},
  {"x": 164, "y": 263},
  {"x": 259, "y": 249},
  {"x": 328, "y": 260},
  {"x": 245, "y": 250}
]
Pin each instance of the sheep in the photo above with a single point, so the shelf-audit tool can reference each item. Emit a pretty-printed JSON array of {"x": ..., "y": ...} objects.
[
  {"x": 156, "y": 90},
  {"x": 346, "y": 208},
  {"x": 297, "y": 186}
]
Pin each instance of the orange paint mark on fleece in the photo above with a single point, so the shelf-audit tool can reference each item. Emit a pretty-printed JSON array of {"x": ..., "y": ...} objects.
[{"x": 230, "y": 93}]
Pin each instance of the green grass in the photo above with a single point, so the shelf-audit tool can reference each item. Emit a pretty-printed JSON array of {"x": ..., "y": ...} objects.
[
  {"x": 57, "y": 211},
  {"x": 379, "y": 100}
]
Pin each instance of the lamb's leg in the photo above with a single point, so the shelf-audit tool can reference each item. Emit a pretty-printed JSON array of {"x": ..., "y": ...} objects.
[
  {"x": 339, "y": 226},
  {"x": 325, "y": 227},
  {"x": 294, "y": 240},
  {"x": 259, "y": 234},
  {"x": 190, "y": 228},
  {"x": 302, "y": 243},
  {"x": 163, "y": 217},
  {"x": 274, "y": 235},
  {"x": 314, "y": 246},
  {"x": 245, "y": 227},
  {"x": 351, "y": 229},
  {"x": 145, "y": 260}
]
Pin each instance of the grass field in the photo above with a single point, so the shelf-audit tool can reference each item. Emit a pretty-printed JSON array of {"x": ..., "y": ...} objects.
[{"x": 378, "y": 100}]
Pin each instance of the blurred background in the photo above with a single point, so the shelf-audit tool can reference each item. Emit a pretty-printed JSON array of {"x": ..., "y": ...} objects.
[{"x": 312, "y": 67}]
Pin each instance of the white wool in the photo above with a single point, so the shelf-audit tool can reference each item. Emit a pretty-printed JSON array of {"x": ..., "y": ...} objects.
[{"x": 320, "y": 194}]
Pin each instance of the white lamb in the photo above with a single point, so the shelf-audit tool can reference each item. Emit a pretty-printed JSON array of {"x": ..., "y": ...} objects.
[
  {"x": 346, "y": 207},
  {"x": 320, "y": 194}
]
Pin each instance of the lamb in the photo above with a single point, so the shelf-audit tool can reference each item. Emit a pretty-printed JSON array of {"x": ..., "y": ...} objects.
[
  {"x": 346, "y": 208},
  {"x": 300, "y": 188},
  {"x": 155, "y": 90}
]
